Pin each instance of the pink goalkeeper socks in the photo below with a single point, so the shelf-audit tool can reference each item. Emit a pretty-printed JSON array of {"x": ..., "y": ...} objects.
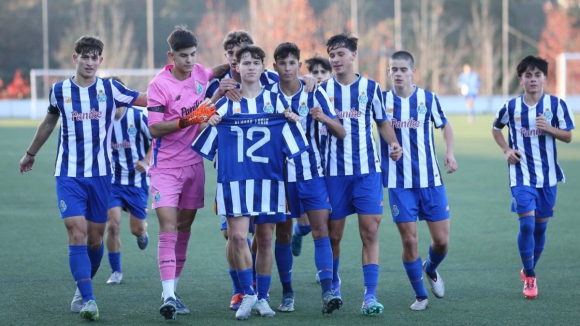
[
  {"x": 181, "y": 251},
  {"x": 166, "y": 255}
]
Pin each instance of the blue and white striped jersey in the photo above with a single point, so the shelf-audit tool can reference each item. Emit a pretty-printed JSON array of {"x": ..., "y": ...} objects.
[
  {"x": 84, "y": 144},
  {"x": 356, "y": 105},
  {"x": 130, "y": 141},
  {"x": 268, "y": 77},
  {"x": 309, "y": 164},
  {"x": 265, "y": 102},
  {"x": 412, "y": 119},
  {"x": 538, "y": 166},
  {"x": 251, "y": 159}
]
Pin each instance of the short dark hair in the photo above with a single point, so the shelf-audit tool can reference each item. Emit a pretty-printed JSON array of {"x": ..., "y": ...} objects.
[
  {"x": 318, "y": 60},
  {"x": 89, "y": 44},
  {"x": 255, "y": 52},
  {"x": 238, "y": 38},
  {"x": 403, "y": 55},
  {"x": 181, "y": 38},
  {"x": 532, "y": 61},
  {"x": 286, "y": 49},
  {"x": 346, "y": 40}
]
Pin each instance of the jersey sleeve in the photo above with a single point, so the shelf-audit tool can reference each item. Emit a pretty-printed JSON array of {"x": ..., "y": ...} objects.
[
  {"x": 53, "y": 106},
  {"x": 565, "y": 119},
  {"x": 269, "y": 77},
  {"x": 145, "y": 126},
  {"x": 321, "y": 99},
  {"x": 212, "y": 87},
  {"x": 501, "y": 117},
  {"x": 281, "y": 103},
  {"x": 206, "y": 143},
  {"x": 378, "y": 107},
  {"x": 123, "y": 96},
  {"x": 222, "y": 106},
  {"x": 156, "y": 102},
  {"x": 294, "y": 139},
  {"x": 437, "y": 116}
]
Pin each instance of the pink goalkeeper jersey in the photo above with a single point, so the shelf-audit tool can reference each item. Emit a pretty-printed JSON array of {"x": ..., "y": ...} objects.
[{"x": 169, "y": 99}]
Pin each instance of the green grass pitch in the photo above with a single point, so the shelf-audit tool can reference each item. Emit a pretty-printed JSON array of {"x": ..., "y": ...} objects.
[{"x": 481, "y": 271}]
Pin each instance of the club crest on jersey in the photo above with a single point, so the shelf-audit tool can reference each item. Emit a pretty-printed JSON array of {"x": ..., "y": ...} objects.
[
  {"x": 178, "y": 97},
  {"x": 63, "y": 206},
  {"x": 395, "y": 210},
  {"x": 101, "y": 97},
  {"x": 157, "y": 196},
  {"x": 363, "y": 98},
  {"x": 198, "y": 87},
  {"x": 303, "y": 109},
  {"x": 268, "y": 108},
  {"x": 422, "y": 109},
  {"x": 548, "y": 114},
  {"x": 68, "y": 100},
  {"x": 132, "y": 131}
]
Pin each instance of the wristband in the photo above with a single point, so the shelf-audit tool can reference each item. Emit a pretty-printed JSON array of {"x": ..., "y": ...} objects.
[{"x": 30, "y": 154}]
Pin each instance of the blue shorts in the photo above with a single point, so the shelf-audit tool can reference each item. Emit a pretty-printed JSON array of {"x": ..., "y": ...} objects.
[
  {"x": 426, "y": 204},
  {"x": 270, "y": 218},
  {"x": 130, "y": 198},
  {"x": 541, "y": 200},
  {"x": 306, "y": 195},
  {"x": 361, "y": 194},
  {"x": 224, "y": 225},
  {"x": 80, "y": 196}
]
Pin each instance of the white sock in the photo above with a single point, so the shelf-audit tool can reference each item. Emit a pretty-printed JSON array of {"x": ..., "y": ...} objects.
[
  {"x": 168, "y": 287},
  {"x": 175, "y": 284}
]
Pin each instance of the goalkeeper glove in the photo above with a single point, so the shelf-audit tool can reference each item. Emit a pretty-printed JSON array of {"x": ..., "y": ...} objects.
[{"x": 201, "y": 114}]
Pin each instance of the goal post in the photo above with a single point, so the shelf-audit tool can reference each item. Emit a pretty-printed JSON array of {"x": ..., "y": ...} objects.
[
  {"x": 562, "y": 72},
  {"x": 42, "y": 79}
]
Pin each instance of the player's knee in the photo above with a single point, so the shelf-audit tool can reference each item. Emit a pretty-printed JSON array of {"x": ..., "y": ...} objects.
[
  {"x": 264, "y": 242},
  {"x": 335, "y": 238},
  {"x": 113, "y": 229},
  {"x": 410, "y": 244},
  {"x": 440, "y": 247},
  {"x": 94, "y": 244}
]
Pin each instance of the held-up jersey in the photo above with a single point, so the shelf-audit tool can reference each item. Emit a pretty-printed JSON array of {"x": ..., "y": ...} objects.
[
  {"x": 538, "y": 166},
  {"x": 309, "y": 164},
  {"x": 130, "y": 142},
  {"x": 84, "y": 144},
  {"x": 268, "y": 77},
  {"x": 356, "y": 105},
  {"x": 265, "y": 102},
  {"x": 413, "y": 119},
  {"x": 251, "y": 158}
]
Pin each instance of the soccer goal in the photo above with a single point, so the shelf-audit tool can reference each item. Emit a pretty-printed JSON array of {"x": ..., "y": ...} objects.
[
  {"x": 567, "y": 75},
  {"x": 41, "y": 81}
]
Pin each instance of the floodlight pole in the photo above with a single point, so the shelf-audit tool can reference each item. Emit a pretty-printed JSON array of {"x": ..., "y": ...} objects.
[
  {"x": 354, "y": 22},
  {"x": 505, "y": 44}
]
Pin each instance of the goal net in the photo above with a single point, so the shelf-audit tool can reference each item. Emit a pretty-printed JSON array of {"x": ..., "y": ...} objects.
[{"x": 41, "y": 81}]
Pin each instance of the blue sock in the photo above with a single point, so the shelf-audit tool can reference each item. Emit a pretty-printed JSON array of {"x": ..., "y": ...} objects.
[
  {"x": 302, "y": 230},
  {"x": 371, "y": 278},
  {"x": 95, "y": 256},
  {"x": 237, "y": 286},
  {"x": 433, "y": 261},
  {"x": 80, "y": 267},
  {"x": 539, "y": 240},
  {"x": 284, "y": 262},
  {"x": 115, "y": 262},
  {"x": 246, "y": 282},
  {"x": 323, "y": 262},
  {"x": 526, "y": 244},
  {"x": 415, "y": 273},
  {"x": 263, "y": 285},
  {"x": 335, "y": 277}
]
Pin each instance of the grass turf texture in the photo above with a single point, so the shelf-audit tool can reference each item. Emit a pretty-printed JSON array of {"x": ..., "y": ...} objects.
[{"x": 481, "y": 271}]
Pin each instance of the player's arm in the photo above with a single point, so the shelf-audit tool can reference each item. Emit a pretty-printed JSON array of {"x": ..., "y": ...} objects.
[
  {"x": 512, "y": 155},
  {"x": 449, "y": 138},
  {"x": 388, "y": 134},
  {"x": 220, "y": 70},
  {"x": 141, "y": 100},
  {"x": 334, "y": 125},
  {"x": 42, "y": 134},
  {"x": 562, "y": 135}
]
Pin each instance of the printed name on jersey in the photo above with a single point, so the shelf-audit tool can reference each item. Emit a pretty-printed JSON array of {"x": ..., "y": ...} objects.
[
  {"x": 411, "y": 123},
  {"x": 350, "y": 114},
  {"x": 532, "y": 133},
  {"x": 93, "y": 115},
  {"x": 187, "y": 110},
  {"x": 122, "y": 145}
]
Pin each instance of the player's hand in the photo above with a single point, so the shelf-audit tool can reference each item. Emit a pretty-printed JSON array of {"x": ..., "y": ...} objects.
[
  {"x": 201, "y": 114},
  {"x": 450, "y": 163},
  {"x": 317, "y": 114},
  {"x": 513, "y": 156},
  {"x": 141, "y": 166},
  {"x": 214, "y": 120},
  {"x": 396, "y": 151},
  {"x": 291, "y": 116},
  {"x": 26, "y": 163},
  {"x": 542, "y": 123},
  {"x": 309, "y": 83},
  {"x": 227, "y": 84}
]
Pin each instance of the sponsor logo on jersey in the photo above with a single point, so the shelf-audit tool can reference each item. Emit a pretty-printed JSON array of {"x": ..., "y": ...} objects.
[
  {"x": 363, "y": 98},
  {"x": 422, "y": 109},
  {"x": 390, "y": 111},
  {"x": 92, "y": 115},
  {"x": 303, "y": 109},
  {"x": 132, "y": 131},
  {"x": 331, "y": 99},
  {"x": 268, "y": 108},
  {"x": 350, "y": 114},
  {"x": 395, "y": 210},
  {"x": 68, "y": 100},
  {"x": 411, "y": 123},
  {"x": 548, "y": 114},
  {"x": 518, "y": 118},
  {"x": 62, "y": 206},
  {"x": 237, "y": 110},
  {"x": 198, "y": 87},
  {"x": 101, "y": 97}
]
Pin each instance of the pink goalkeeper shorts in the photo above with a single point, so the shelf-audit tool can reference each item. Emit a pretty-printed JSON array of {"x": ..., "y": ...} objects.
[{"x": 178, "y": 187}]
